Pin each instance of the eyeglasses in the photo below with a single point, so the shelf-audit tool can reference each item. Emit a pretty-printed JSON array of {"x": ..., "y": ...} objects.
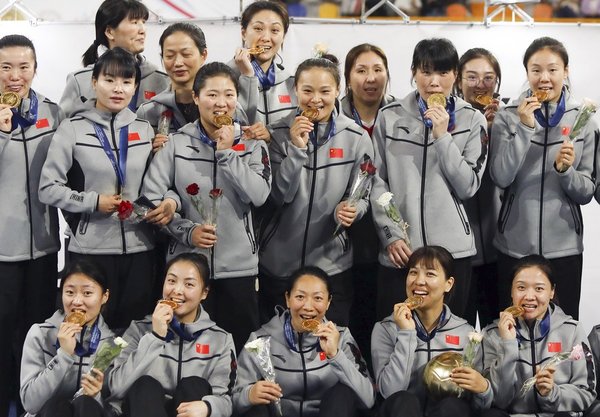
[{"x": 488, "y": 80}]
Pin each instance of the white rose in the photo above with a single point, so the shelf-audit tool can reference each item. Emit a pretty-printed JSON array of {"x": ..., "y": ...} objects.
[
  {"x": 255, "y": 345},
  {"x": 475, "y": 337},
  {"x": 119, "y": 341},
  {"x": 384, "y": 199}
]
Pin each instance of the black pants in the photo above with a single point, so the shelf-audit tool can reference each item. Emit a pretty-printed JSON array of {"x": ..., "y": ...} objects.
[
  {"x": 272, "y": 293},
  {"x": 495, "y": 412},
  {"x": 131, "y": 282},
  {"x": 338, "y": 401},
  {"x": 82, "y": 406},
  {"x": 28, "y": 291},
  {"x": 146, "y": 397},
  {"x": 567, "y": 276},
  {"x": 362, "y": 317},
  {"x": 483, "y": 295},
  {"x": 406, "y": 404},
  {"x": 233, "y": 304},
  {"x": 391, "y": 288}
]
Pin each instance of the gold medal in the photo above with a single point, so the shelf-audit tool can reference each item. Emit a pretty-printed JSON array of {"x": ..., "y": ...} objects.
[
  {"x": 436, "y": 99},
  {"x": 223, "y": 120},
  {"x": 310, "y": 113},
  {"x": 170, "y": 303},
  {"x": 256, "y": 50},
  {"x": 10, "y": 98},
  {"x": 484, "y": 100},
  {"x": 541, "y": 95},
  {"x": 76, "y": 317},
  {"x": 516, "y": 311},
  {"x": 414, "y": 301},
  {"x": 310, "y": 325}
]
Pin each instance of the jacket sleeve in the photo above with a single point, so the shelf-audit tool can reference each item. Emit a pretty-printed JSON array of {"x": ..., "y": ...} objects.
[
  {"x": 393, "y": 356},
  {"x": 579, "y": 393},
  {"x": 54, "y": 188},
  {"x": 249, "y": 96},
  {"x": 577, "y": 182},
  {"x": 500, "y": 367},
  {"x": 222, "y": 380},
  {"x": 251, "y": 180},
  {"x": 247, "y": 374},
  {"x": 5, "y": 138},
  {"x": 287, "y": 162},
  {"x": 594, "y": 339},
  {"x": 71, "y": 97},
  {"x": 40, "y": 380},
  {"x": 351, "y": 369},
  {"x": 509, "y": 146},
  {"x": 135, "y": 360},
  {"x": 463, "y": 170},
  {"x": 481, "y": 401}
]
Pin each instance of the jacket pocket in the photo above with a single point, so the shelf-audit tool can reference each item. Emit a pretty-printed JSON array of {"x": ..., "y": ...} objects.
[
  {"x": 250, "y": 233},
  {"x": 271, "y": 228},
  {"x": 505, "y": 212},
  {"x": 577, "y": 218},
  {"x": 461, "y": 214},
  {"x": 84, "y": 221},
  {"x": 344, "y": 241},
  {"x": 172, "y": 246}
]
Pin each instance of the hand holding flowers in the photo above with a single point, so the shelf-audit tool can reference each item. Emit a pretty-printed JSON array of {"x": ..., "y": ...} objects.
[
  {"x": 107, "y": 352},
  {"x": 586, "y": 111},
  {"x": 261, "y": 348}
]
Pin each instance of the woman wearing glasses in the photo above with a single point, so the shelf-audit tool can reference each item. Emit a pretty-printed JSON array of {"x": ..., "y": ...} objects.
[{"x": 478, "y": 83}]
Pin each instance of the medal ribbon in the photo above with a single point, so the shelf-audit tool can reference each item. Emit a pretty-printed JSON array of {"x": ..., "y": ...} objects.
[
  {"x": 179, "y": 329},
  {"x": 19, "y": 120},
  {"x": 266, "y": 80},
  {"x": 544, "y": 329},
  {"x": 422, "y": 331},
  {"x": 555, "y": 119},
  {"x": 94, "y": 341},
  {"x": 133, "y": 103},
  {"x": 120, "y": 168}
]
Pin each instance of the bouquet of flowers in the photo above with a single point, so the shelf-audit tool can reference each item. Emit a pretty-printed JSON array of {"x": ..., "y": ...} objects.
[
  {"x": 469, "y": 352},
  {"x": 131, "y": 211},
  {"x": 386, "y": 201},
  {"x": 586, "y": 111},
  {"x": 360, "y": 186},
  {"x": 107, "y": 352},
  {"x": 575, "y": 354},
  {"x": 261, "y": 347}
]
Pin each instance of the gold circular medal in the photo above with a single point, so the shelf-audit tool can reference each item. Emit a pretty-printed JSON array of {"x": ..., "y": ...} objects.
[
  {"x": 170, "y": 303},
  {"x": 256, "y": 50},
  {"x": 10, "y": 98},
  {"x": 310, "y": 113},
  {"x": 310, "y": 325},
  {"x": 436, "y": 99},
  {"x": 76, "y": 317},
  {"x": 484, "y": 100},
  {"x": 414, "y": 301},
  {"x": 516, "y": 311},
  {"x": 541, "y": 95},
  {"x": 223, "y": 120}
]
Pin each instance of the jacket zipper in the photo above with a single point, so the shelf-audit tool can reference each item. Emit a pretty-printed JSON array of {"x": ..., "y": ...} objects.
[
  {"x": 28, "y": 194},
  {"x": 423, "y": 173},
  {"x": 540, "y": 236},
  {"x": 249, "y": 233},
  {"x": 533, "y": 365},
  {"x": 463, "y": 218},
  {"x": 180, "y": 361},
  {"x": 214, "y": 185},
  {"x": 305, "y": 382},
  {"x": 266, "y": 103},
  {"x": 312, "y": 196},
  {"x": 112, "y": 133}
]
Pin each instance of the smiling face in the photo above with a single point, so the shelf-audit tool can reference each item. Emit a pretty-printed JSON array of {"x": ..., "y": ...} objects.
[
  {"x": 316, "y": 88},
  {"x": 368, "y": 79},
  {"x": 431, "y": 283},
  {"x": 546, "y": 71},
  {"x": 264, "y": 29},
  {"x": 17, "y": 69},
  {"x": 182, "y": 59},
  {"x": 478, "y": 78},
  {"x": 113, "y": 93},
  {"x": 82, "y": 293},
  {"x": 217, "y": 97},
  {"x": 532, "y": 290},
  {"x": 430, "y": 82},
  {"x": 184, "y": 285},
  {"x": 308, "y": 299},
  {"x": 130, "y": 35}
]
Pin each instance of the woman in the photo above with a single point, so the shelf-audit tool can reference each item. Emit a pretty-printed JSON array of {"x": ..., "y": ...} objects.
[
  {"x": 206, "y": 156},
  {"x": 28, "y": 252},
  {"x": 266, "y": 88},
  {"x": 96, "y": 162},
  {"x": 58, "y": 354},
  {"x": 367, "y": 77},
  {"x": 149, "y": 375},
  {"x": 319, "y": 372},
  {"x": 315, "y": 164},
  {"x": 478, "y": 83},
  {"x": 545, "y": 174},
  {"x": 431, "y": 157},
  {"x": 119, "y": 23},
  {"x": 516, "y": 348}
]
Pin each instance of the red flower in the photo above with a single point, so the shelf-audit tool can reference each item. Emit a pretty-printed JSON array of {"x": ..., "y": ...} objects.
[
  {"x": 215, "y": 193},
  {"x": 192, "y": 189},
  {"x": 368, "y": 167},
  {"x": 125, "y": 209}
]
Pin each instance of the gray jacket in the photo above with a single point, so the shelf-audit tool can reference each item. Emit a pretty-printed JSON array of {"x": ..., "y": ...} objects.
[
  {"x": 243, "y": 172},
  {"x": 400, "y": 356},
  {"x": 47, "y": 371},
  {"x": 540, "y": 206},
  {"x": 78, "y": 89},
  {"x": 210, "y": 355},
  {"x": 304, "y": 372},
  {"x": 429, "y": 178},
  {"x": 508, "y": 363},
  {"x": 77, "y": 171},
  {"x": 308, "y": 184},
  {"x": 29, "y": 227},
  {"x": 594, "y": 339}
]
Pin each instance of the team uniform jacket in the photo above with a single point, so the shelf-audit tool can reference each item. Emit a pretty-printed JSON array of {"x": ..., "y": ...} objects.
[
  {"x": 308, "y": 184},
  {"x": 47, "y": 371},
  {"x": 243, "y": 172},
  {"x": 78, "y": 89},
  {"x": 429, "y": 178},
  {"x": 304, "y": 372},
  {"x": 267, "y": 106},
  {"x": 509, "y": 363},
  {"x": 540, "y": 207},
  {"x": 594, "y": 339},
  {"x": 29, "y": 227},
  {"x": 210, "y": 355},
  {"x": 400, "y": 356},
  {"x": 77, "y": 171}
]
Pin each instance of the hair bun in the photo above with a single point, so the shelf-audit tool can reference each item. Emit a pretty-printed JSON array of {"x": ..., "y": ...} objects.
[{"x": 330, "y": 57}]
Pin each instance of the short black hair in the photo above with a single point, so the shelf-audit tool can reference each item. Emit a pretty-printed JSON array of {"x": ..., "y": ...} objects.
[
  {"x": 546, "y": 43},
  {"x": 190, "y": 29},
  {"x": 435, "y": 54},
  {"x": 259, "y": 6},
  {"x": 198, "y": 260},
  {"x": 214, "y": 69},
  {"x": 10, "y": 41},
  {"x": 88, "y": 268},
  {"x": 118, "y": 63},
  {"x": 312, "y": 271}
]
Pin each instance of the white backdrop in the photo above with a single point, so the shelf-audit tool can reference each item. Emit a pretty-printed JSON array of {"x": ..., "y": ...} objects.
[{"x": 60, "y": 46}]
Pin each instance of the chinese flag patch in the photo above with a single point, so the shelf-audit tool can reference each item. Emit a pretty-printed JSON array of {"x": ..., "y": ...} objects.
[
  {"x": 133, "y": 136},
  {"x": 149, "y": 94},
  {"x": 204, "y": 349},
  {"x": 322, "y": 356},
  {"x": 452, "y": 340},
  {"x": 336, "y": 153},
  {"x": 285, "y": 99},
  {"x": 554, "y": 347},
  {"x": 239, "y": 147},
  {"x": 42, "y": 123}
]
